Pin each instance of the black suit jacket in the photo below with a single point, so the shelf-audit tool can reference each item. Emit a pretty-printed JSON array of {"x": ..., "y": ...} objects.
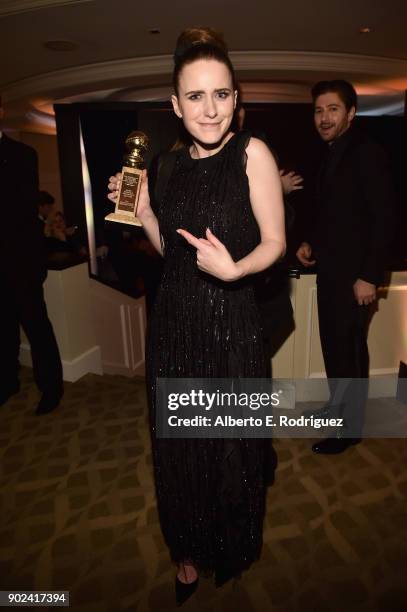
[
  {"x": 22, "y": 249},
  {"x": 354, "y": 221}
]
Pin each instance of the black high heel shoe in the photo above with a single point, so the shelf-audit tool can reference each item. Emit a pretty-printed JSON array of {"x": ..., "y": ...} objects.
[{"x": 183, "y": 591}]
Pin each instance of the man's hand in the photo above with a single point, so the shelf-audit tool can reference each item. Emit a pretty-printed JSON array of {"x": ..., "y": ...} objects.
[
  {"x": 290, "y": 181},
  {"x": 212, "y": 256},
  {"x": 365, "y": 293},
  {"x": 304, "y": 255}
]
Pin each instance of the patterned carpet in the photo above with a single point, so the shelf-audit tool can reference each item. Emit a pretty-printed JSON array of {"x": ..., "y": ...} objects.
[{"x": 78, "y": 513}]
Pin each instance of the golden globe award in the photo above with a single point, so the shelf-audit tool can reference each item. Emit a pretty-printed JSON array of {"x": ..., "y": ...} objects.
[{"x": 129, "y": 191}]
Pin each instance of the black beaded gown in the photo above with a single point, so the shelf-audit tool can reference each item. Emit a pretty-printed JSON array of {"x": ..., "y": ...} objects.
[{"x": 210, "y": 492}]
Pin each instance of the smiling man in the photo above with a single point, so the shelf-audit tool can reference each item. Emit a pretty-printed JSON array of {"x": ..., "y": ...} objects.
[{"x": 349, "y": 241}]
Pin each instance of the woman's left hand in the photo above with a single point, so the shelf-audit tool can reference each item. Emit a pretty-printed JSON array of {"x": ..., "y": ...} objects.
[{"x": 212, "y": 256}]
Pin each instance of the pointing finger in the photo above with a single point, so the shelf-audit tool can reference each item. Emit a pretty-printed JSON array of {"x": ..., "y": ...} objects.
[{"x": 190, "y": 238}]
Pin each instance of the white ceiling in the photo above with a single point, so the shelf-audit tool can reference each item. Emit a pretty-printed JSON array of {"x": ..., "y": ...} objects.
[{"x": 290, "y": 45}]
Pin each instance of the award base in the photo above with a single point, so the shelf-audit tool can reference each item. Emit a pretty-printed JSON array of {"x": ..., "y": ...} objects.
[{"x": 122, "y": 218}]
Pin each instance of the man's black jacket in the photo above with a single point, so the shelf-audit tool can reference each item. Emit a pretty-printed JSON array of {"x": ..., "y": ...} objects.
[
  {"x": 22, "y": 252},
  {"x": 353, "y": 224}
]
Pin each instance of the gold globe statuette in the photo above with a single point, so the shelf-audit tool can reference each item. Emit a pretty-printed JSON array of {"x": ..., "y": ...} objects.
[{"x": 127, "y": 200}]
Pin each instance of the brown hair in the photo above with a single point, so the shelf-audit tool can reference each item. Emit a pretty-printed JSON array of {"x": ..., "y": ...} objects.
[
  {"x": 194, "y": 36},
  {"x": 200, "y": 43},
  {"x": 344, "y": 89}
]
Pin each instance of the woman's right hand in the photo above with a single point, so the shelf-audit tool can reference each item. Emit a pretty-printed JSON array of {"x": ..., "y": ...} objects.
[{"x": 143, "y": 208}]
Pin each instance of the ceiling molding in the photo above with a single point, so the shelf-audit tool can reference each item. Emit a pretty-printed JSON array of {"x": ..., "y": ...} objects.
[
  {"x": 11, "y": 7},
  {"x": 318, "y": 61},
  {"x": 113, "y": 73}
]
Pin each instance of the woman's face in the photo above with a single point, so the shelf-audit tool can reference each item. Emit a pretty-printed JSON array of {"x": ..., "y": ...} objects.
[{"x": 206, "y": 100}]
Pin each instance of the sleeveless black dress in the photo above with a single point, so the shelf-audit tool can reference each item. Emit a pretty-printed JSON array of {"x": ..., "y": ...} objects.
[{"x": 210, "y": 492}]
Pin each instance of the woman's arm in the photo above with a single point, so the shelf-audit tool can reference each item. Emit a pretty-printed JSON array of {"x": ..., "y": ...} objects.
[
  {"x": 266, "y": 198},
  {"x": 144, "y": 210},
  {"x": 150, "y": 226}
]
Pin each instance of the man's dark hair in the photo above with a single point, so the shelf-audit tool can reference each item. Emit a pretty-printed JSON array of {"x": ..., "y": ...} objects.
[
  {"x": 45, "y": 198},
  {"x": 344, "y": 89}
]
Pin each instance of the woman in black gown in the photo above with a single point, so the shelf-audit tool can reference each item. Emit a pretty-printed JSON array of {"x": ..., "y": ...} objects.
[{"x": 219, "y": 220}]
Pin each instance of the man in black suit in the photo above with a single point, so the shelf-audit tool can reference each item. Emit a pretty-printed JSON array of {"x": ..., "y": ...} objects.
[
  {"x": 349, "y": 241},
  {"x": 22, "y": 273}
]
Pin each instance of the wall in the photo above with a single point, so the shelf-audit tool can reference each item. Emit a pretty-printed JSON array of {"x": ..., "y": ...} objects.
[
  {"x": 68, "y": 298},
  {"x": 300, "y": 357}
]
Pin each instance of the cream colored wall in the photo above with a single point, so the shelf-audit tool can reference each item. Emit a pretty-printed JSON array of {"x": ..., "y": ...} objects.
[
  {"x": 301, "y": 357},
  {"x": 49, "y": 174},
  {"x": 120, "y": 326},
  {"x": 68, "y": 298},
  {"x": 388, "y": 330},
  {"x": 96, "y": 324}
]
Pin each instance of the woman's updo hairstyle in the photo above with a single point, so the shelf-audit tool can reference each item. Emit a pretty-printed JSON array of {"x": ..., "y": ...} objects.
[{"x": 200, "y": 43}]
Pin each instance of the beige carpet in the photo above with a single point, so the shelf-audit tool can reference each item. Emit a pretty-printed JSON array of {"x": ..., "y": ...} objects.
[{"x": 78, "y": 513}]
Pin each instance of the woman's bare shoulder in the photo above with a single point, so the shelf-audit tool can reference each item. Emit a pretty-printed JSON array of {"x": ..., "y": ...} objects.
[
  {"x": 257, "y": 149},
  {"x": 258, "y": 154}
]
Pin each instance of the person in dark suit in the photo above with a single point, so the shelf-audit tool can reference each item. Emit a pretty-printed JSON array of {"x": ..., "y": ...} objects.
[
  {"x": 349, "y": 240},
  {"x": 22, "y": 273}
]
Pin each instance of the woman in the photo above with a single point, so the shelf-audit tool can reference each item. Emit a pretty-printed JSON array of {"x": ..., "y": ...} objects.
[{"x": 219, "y": 220}]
